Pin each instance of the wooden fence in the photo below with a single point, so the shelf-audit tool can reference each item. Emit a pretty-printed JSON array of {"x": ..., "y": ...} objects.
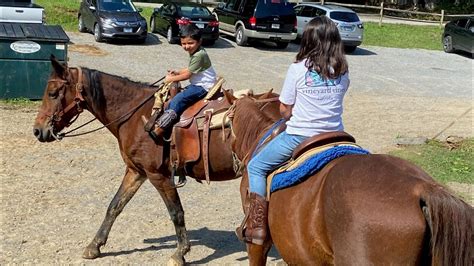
[{"x": 442, "y": 16}]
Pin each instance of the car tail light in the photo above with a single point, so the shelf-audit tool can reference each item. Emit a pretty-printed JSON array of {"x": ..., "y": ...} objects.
[
  {"x": 296, "y": 23},
  {"x": 183, "y": 21},
  {"x": 213, "y": 23},
  {"x": 253, "y": 21}
]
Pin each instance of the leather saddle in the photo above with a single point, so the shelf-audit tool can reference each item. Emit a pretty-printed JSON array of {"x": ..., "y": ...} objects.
[{"x": 202, "y": 117}]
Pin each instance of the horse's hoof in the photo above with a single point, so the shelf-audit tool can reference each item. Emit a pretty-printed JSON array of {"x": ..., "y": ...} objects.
[
  {"x": 91, "y": 253},
  {"x": 175, "y": 261}
]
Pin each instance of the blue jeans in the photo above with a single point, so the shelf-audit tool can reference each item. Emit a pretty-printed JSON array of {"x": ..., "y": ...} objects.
[
  {"x": 276, "y": 152},
  {"x": 187, "y": 97}
]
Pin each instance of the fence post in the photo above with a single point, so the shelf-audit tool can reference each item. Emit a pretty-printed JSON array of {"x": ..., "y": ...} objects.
[
  {"x": 322, "y": 2},
  {"x": 381, "y": 13},
  {"x": 442, "y": 18}
]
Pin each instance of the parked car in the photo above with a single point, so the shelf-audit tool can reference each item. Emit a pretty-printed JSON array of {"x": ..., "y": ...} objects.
[
  {"x": 348, "y": 23},
  {"x": 272, "y": 20},
  {"x": 21, "y": 11},
  {"x": 170, "y": 17},
  {"x": 459, "y": 35},
  {"x": 112, "y": 19}
]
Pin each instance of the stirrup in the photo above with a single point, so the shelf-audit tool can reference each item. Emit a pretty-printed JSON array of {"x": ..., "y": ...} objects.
[
  {"x": 239, "y": 231},
  {"x": 149, "y": 123}
]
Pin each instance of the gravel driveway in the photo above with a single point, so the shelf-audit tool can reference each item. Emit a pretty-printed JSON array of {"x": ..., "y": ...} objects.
[{"x": 54, "y": 196}]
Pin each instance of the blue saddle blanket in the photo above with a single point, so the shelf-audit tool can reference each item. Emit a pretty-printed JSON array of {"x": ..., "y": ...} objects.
[{"x": 311, "y": 166}]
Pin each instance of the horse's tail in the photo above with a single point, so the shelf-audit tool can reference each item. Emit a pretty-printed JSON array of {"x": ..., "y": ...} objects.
[{"x": 451, "y": 222}]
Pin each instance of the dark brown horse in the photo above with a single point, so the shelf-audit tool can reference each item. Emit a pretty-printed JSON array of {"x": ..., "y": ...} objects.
[
  {"x": 358, "y": 210},
  {"x": 119, "y": 103}
]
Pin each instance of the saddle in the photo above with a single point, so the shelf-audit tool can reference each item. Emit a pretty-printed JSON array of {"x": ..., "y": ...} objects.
[
  {"x": 202, "y": 117},
  {"x": 310, "y": 147}
]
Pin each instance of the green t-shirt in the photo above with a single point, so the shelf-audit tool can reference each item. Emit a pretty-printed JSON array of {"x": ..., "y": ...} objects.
[{"x": 199, "y": 61}]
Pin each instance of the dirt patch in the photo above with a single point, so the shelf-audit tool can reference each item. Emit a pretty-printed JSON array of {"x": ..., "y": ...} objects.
[{"x": 87, "y": 49}]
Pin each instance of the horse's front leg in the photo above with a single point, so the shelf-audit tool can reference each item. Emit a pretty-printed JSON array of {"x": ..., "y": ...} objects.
[
  {"x": 258, "y": 253},
  {"x": 175, "y": 209},
  {"x": 130, "y": 184}
]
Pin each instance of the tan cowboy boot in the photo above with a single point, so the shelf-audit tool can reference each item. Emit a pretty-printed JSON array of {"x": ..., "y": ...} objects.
[{"x": 256, "y": 227}]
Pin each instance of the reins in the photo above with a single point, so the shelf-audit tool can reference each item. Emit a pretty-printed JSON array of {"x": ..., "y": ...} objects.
[{"x": 131, "y": 111}]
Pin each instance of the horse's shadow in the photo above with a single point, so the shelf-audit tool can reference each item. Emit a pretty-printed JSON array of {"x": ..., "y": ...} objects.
[{"x": 223, "y": 243}]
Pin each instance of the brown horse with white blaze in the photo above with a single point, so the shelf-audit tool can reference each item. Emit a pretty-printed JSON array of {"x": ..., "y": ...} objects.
[
  {"x": 119, "y": 104},
  {"x": 358, "y": 210}
]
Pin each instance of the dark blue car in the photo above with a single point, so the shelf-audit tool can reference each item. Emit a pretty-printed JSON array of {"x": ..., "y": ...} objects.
[{"x": 459, "y": 35}]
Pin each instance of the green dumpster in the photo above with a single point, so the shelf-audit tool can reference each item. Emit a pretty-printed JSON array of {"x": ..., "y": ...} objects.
[{"x": 25, "y": 50}]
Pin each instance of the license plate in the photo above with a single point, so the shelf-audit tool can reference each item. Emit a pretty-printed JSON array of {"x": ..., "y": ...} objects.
[
  {"x": 347, "y": 28},
  {"x": 275, "y": 26},
  {"x": 127, "y": 29},
  {"x": 200, "y": 25}
]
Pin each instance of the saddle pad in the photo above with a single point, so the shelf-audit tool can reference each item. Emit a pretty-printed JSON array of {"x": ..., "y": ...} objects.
[{"x": 311, "y": 162}]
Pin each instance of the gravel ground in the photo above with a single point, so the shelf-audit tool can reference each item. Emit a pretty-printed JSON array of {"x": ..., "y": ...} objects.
[{"x": 54, "y": 196}]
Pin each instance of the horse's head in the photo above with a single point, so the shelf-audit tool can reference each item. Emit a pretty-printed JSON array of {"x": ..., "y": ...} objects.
[{"x": 62, "y": 101}]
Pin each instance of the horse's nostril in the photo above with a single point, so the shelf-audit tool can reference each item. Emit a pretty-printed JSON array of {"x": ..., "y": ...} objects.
[{"x": 36, "y": 132}]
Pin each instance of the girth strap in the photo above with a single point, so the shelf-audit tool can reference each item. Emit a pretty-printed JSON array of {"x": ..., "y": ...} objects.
[{"x": 205, "y": 143}]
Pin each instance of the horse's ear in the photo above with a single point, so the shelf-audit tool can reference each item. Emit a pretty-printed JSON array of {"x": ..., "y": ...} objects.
[
  {"x": 229, "y": 96},
  {"x": 267, "y": 94},
  {"x": 60, "y": 69}
]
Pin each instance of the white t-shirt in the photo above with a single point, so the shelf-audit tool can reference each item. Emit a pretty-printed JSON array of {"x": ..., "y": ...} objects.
[{"x": 317, "y": 104}]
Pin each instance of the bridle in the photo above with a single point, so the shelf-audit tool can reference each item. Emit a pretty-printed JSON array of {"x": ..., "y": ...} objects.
[{"x": 77, "y": 106}]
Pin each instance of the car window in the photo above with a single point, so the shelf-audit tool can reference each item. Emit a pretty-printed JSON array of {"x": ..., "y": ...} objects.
[
  {"x": 344, "y": 16},
  {"x": 233, "y": 5},
  {"x": 462, "y": 22},
  {"x": 298, "y": 10},
  {"x": 116, "y": 5},
  {"x": 320, "y": 12},
  {"x": 249, "y": 8},
  {"x": 470, "y": 26},
  {"x": 167, "y": 9},
  {"x": 188, "y": 11},
  {"x": 267, "y": 8},
  {"x": 308, "y": 11}
]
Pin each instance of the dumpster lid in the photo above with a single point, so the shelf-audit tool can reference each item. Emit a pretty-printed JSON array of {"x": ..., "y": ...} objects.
[{"x": 36, "y": 32}]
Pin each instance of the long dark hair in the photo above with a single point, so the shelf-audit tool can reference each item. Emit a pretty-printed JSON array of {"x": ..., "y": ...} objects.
[{"x": 321, "y": 45}]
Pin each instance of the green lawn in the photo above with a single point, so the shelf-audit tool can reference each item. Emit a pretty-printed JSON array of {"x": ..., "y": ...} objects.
[
  {"x": 444, "y": 164},
  {"x": 403, "y": 36}
]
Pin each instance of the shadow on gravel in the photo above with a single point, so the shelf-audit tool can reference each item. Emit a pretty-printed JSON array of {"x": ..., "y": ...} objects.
[
  {"x": 223, "y": 243},
  {"x": 220, "y": 44},
  {"x": 362, "y": 51},
  {"x": 263, "y": 45},
  {"x": 151, "y": 39}
]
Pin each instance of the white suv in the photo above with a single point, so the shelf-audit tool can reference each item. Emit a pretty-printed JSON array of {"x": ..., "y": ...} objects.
[{"x": 350, "y": 27}]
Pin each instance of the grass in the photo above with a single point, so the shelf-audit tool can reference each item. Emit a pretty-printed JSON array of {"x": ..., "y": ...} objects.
[
  {"x": 445, "y": 165},
  {"x": 403, "y": 36},
  {"x": 18, "y": 103},
  {"x": 64, "y": 13}
]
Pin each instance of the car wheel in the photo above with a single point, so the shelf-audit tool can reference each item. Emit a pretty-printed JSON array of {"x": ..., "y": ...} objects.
[
  {"x": 282, "y": 45},
  {"x": 98, "y": 33},
  {"x": 240, "y": 37},
  {"x": 448, "y": 44},
  {"x": 152, "y": 24},
  {"x": 350, "y": 49},
  {"x": 169, "y": 36},
  {"x": 81, "y": 26}
]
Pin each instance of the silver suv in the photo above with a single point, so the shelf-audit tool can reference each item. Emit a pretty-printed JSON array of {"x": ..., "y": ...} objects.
[{"x": 350, "y": 27}]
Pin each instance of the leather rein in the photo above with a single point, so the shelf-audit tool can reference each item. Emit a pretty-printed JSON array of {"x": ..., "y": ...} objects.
[{"x": 77, "y": 104}]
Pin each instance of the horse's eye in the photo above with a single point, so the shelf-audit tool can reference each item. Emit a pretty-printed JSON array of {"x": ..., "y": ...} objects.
[{"x": 53, "y": 94}]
